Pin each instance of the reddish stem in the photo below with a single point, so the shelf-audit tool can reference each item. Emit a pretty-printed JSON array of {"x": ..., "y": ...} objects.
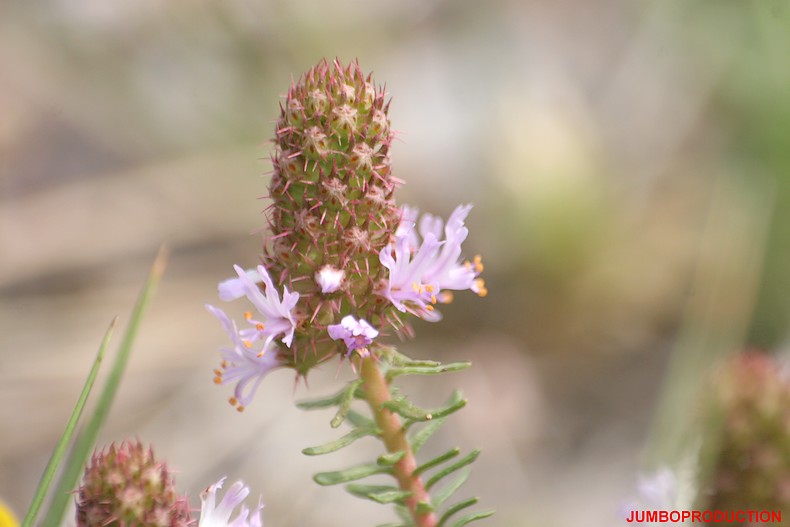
[{"x": 377, "y": 392}]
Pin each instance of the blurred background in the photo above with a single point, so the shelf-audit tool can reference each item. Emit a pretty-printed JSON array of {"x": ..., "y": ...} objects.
[{"x": 630, "y": 169}]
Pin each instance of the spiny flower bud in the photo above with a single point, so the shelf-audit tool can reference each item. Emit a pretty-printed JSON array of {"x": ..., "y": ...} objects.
[
  {"x": 751, "y": 402},
  {"x": 332, "y": 203},
  {"x": 125, "y": 486}
]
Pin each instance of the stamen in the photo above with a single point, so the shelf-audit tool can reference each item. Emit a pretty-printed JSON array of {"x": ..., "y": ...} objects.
[
  {"x": 259, "y": 327},
  {"x": 247, "y": 344},
  {"x": 217, "y": 380},
  {"x": 445, "y": 297},
  {"x": 481, "y": 287},
  {"x": 416, "y": 287},
  {"x": 478, "y": 262},
  {"x": 429, "y": 288},
  {"x": 233, "y": 401},
  {"x": 218, "y": 372},
  {"x": 429, "y": 307},
  {"x": 433, "y": 299},
  {"x": 247, "y": 315},
  {"x": 239, "y": 408}
]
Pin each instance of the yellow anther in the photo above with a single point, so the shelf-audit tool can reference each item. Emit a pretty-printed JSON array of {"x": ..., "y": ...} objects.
[
  {"x": 467, "y": 265},
  {"x": 239, "y": 408},
  {"x": 218, "y": 372},
  {"x": 478, "y": 261},
  {"x": 259, "y": 355},
  {"x": 233, "y": 401},
  {"x": 445, "y": 297},
  {"x": 429, "y": 288},
  {"x": 224, "y": 364},
  {"x": 247, "y": 315},
  {"x": 429, "y": 307},
  {"x": 481, "y": 287},
  {"x": 433, "y": 299},
  {"x": 259, "y": 327},
  {"x": 416, "y": 287},
  {"x": 247, "y": 344},
  {"x": 217, "y": 380}
]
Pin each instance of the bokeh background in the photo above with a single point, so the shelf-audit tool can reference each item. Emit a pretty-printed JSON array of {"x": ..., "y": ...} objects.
[{"x": 629, "y": 162}]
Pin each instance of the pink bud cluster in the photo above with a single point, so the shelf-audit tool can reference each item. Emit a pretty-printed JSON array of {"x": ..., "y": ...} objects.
[
  {"x": 749, "y": 437},
  {"x": 124, "y": 486}
]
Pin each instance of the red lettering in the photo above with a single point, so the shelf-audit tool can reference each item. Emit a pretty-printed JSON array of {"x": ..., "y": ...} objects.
[
  {"x": 651, "y": 516},
  {"x": 663, "y": 516},
  {"x": 695, "y": 517},
  {"x": 776, "y": 516}
]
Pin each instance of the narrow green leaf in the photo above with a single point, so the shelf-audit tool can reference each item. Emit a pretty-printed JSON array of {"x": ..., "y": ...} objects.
[
  {"x": 447, "y": 491},
  {"x": 437, "y": 461},
  {"x": 360, "y": 421},
  {"x": 423, "y": 507},
  {"x": 71, "y": 425},
  {"x": 395, "y": 357},
  {"x": 425, "y": 433},
  {"x": 455, "y": 508},
  {"x": 332, "y": 400},
  {"x": 426, "y": 370},
  {"x": 337, "y": 444},
  {"x": 390, "y": 459},
  {"x": 344, "y": 404},
  {"x": 350, "y": 474},
  {"x": 473, "y": 517},
  {"x": 404, "y": 514},
  {"x": 406, "y": 409},
  {"x": 379, "y": 493},
  {"x": 87, "y": 438},
  {"x": 466, "y": 460}
]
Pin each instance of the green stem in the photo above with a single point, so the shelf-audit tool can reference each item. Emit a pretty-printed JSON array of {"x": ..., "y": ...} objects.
[{"x": 377, "y": 392}]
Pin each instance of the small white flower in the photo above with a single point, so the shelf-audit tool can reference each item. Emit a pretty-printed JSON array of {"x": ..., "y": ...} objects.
[
  {"x": 357, "y": 334},
  {"x": 330, "y": 279},
  {"x": 213, "y": 515}
]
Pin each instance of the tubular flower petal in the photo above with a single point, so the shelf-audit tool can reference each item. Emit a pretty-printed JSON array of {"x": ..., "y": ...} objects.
[
  {"x": 233, "y": 288},
  {"x": 242, "y": 363},
  {"x": 357, "y": 334},
  {"x": 213, "y": 515},
  {"x": 277, "y": 314},
  {"x": 421, "y": 273}
]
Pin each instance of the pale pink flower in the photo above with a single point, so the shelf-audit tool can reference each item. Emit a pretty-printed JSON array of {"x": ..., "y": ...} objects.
[{"x": 218, "y": 515}]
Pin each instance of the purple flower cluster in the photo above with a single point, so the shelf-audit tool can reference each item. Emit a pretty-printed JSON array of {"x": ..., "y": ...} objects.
[{"x": 424, "y": 266}]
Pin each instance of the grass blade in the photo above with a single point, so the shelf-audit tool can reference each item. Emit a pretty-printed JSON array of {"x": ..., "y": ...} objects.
[
  {"x": 87, "y": 438},
  {"x": 71, "y": 425}
]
